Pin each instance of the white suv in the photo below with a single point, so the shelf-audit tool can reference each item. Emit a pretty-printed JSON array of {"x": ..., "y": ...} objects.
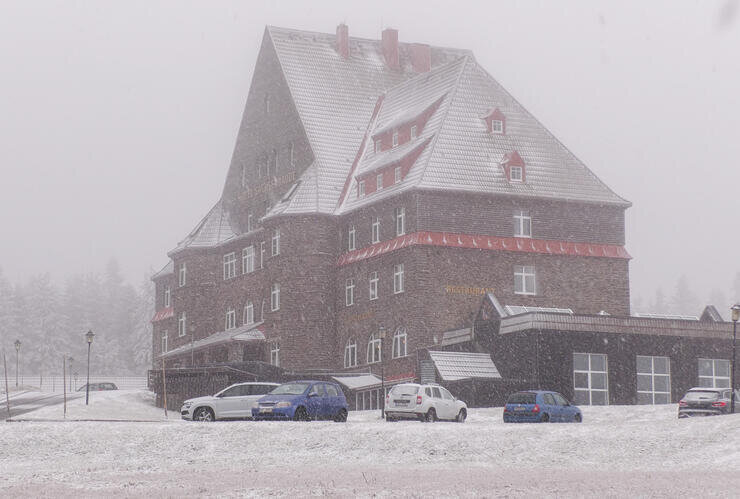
[
  {"x": 423, "y": 402},
  {"x": 233, "y": 402}
]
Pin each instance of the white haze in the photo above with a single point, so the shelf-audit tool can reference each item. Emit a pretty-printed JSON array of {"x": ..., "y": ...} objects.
[{"x": 118, "y": 119}]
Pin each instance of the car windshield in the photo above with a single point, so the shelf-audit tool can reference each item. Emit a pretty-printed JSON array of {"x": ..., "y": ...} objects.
[
  {"x": 702, "y": 395},
  {"x": 405, "y": 390},
  {"x": 521, "y": 398},
  {"x": 290, "y": 389}
]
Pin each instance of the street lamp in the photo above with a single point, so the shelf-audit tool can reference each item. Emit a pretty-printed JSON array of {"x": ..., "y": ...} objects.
[
  {"x": 381, "y": 335},
  {"x": 735, "y": 316},
  {"x": 71, "y": 359},
  {"x": 192, "y": 344},
  {"x": 89, "y": 337},
  {"x": 17, "y": 356}
]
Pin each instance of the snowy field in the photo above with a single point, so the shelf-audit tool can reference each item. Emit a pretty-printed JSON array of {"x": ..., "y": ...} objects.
[{"x": 618, "y": 451}]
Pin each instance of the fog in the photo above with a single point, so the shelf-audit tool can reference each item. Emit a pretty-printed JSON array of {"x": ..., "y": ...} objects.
[{"x": 118, "y": 119}]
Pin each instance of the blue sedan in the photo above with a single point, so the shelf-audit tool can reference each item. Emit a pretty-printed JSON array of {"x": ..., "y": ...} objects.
[
  {"x": 302, "y": 401},
  {"x": 538, "y": 406}
]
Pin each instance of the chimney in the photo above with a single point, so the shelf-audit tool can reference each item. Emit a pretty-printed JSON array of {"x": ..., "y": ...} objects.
[
  {"x": 421, "y": 57},
  {"x": 390, "y": 47},
  {"x": 343, "y": 40}
]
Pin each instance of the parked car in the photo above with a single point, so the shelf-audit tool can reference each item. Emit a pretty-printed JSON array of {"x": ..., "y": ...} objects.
[
  {"x": 423, "y": 402},
  {"x": 233, "y": 402},
  {"x": 539, "y": 406},
  {"x": 303, "y": 401},
  {"x": 700, "y": 401},
  {"x": 95, "y": 387}
]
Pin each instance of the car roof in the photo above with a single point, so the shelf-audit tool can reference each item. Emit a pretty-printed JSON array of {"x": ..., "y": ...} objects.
[
  {"x": 257, "y": 383},
  {"x": 707, "y": 389}
]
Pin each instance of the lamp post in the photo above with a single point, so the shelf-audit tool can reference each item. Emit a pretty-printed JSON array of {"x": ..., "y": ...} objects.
[
  {"x": 192, "y": 344},
  {"x": 17, "y": 356},
  {"x": 381, "y": 335},
  {"x": 735, "y": 316},
  {"x": 89, "y": 337},
  {"x": 71, "y": 359}
]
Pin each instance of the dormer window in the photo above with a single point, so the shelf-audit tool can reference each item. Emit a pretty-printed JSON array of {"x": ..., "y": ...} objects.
[
  {"x": 397, "y": 175},
  {"x": 378, "y": 145},
  {"x": 516, "y": 174},
  {"x": 361, "y": 188},
  {"x": 514, "y": 167},
  {"x": 495, "y": 122},
  {"x": 395, "y": 138},
  {"x": 497, "y": 126},
  {"x": 379, "y": 182},
  {"x": 413, "y": 132}
]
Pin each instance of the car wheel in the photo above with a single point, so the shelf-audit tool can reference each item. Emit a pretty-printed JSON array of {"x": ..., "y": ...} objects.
[
  {"x": 300, "y": 414},
  {"x": 461, "y": 416},
  {"x": 431, "y": 415},
  {"x": 204, "y": 414},
  {"x": 341, "y": 416},
  {"x": 545, "y": 418},
  {"x": 577, "y": 418}
]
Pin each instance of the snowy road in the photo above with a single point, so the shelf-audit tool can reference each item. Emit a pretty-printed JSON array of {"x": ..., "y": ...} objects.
[
  {"x": 617, "y": 452},
  {"x": 26, "y": 402}
]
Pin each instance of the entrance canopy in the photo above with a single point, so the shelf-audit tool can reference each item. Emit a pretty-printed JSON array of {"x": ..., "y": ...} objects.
[
  {"x": 359, "y": 382},
  {"x": 455, "y": 366},
  {"x": 251, "y": 332}
]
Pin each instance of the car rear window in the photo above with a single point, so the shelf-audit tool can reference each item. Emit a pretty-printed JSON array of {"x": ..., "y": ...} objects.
[
  {"x": 701, "y": 395},
  {"x": 405, "y": 390},
  {"x": 521, "y": 398}
]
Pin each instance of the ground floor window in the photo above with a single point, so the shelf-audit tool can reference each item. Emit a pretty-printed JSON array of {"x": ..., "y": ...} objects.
[
  {"x": 275, "y": 353},
  {"x": 714, "y": 373},
  {"x": 369, "y": 399},
  {"x": 653, "y": 380},
  {"x": 590, "y": 379}
]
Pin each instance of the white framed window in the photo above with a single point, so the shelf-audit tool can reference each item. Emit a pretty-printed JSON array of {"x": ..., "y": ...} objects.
[
  {"x": 378, "y": 146},
  {"x": 653, "y": 380},
  {"x": 373, "y": 293},
  {"x": 397, "y": 175},
  {"x": 522, "y": 224},
  {"x": 400, "y": 339},
  {"x": 517, "y": 173},
  {"x": 275, "y": 353},
  {"x": 181, "y": 324},
  {"x": 400, "y": 216},
  {"x": 714, "y": 373},
  {"x": 182, "y": 275},
  {"x": 248, "y": 260},
  {"x": 395, "y": 138},
  {"x": 413, "y": 132},
  {"x": 164, "y": 342},
  {"x": 351, "y": 238},
  {"x": 276, "y": 242},
  {"x": 230, "y": 322},
  {"x": 229, "y": 265},
  {"x": 248, "y": 315},
  {"x": 262, "y": 254},
  {"x": 367, "y": 400},
  {"x": 250, "y": 222},
  {"x": 349, "y": 292},
  {"x": 590, "y": 379},
  {"x": 350, "y": 353},
  {"x": 167, "y": 296},
  {"x": 375, "y": 230},
  {"x": 398, "y": 278},
  {"x": 497, "y": 126},
  {"x": 524, "y": 280},
  {"x": 360, "y": 188},
  {"x": 374, "y": 349},
  {"x": 379, "y": 182},
  {"x": 291, "y": 155},
  {"x": 275, "y": 297}
]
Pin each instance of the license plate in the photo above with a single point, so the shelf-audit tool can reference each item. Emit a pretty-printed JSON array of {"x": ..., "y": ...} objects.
[
  {"x": 266, "y": 409},
  {"x": 519, "y": 409},
  {"x": 401, "y": 401}
]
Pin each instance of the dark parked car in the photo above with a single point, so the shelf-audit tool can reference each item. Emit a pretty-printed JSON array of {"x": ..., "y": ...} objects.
[
  {"x": 538, "y": 406},
  {"x": 303, "y": 401},
  {"x": 96, "y": 387},
  {"x": 707, "y": 402}
]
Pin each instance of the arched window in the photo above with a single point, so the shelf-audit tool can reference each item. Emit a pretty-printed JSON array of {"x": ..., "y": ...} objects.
[
  {"x": 373, "y": 349},
  {"x": 350, "y": 353},
  {"x": 400, "y": 340}
]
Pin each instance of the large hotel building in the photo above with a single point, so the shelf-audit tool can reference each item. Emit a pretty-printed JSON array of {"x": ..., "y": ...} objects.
[{"x": 397, "y": 190}]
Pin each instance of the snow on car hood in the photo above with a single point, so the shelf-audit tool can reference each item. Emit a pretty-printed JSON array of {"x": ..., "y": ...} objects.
[{"x": 207, "y": 398}]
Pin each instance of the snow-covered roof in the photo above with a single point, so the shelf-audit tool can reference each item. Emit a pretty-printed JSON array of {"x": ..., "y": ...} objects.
[
  {"x": 358, "y": 382},
  {"x": 521, "y": 309},
  {"x": 250, "y": 332},
  {"x": 214, "y": 229},
  {"x": 454, "y": 366},
  {"x": 169, "y": 268}
]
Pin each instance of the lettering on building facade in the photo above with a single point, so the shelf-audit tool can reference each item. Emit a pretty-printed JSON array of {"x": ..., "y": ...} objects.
[{"x": 467, "y": 290}]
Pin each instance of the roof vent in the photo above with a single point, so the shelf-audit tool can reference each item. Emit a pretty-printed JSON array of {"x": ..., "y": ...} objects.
[
  {"x": 343, "y": 40},
  {"x": 390, "y": 47},
  {"x": 421, "y": 57}
]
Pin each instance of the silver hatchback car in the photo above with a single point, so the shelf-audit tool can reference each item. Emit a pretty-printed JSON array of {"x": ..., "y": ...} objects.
[{"x": 423, "y": 402}]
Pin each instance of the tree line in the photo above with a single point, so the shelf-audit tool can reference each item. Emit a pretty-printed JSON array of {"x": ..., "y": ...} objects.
[{"x": 51, "y": 321}]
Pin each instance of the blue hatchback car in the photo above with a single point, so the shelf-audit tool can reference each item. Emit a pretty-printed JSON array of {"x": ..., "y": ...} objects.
[
  {"x": 538, "y": 406},
  {"x": 302, "y": 401}
]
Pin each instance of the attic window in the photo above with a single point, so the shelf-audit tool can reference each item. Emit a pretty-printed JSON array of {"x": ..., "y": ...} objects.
[
  {"x": 395, "y": 138},
  {"x": 497, "y": 126},
  {"x": 378, "y": 144},
  {"x": 516, "y": 174},
  {"x": 413, "y": 132},
  {"x": 514, "y": 167},
  {"x": 495, "y": 122},
  {"x": 361, "y": 188}
]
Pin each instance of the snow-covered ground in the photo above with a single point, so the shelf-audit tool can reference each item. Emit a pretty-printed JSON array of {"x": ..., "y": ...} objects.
[{"x": 617, "y": 451}]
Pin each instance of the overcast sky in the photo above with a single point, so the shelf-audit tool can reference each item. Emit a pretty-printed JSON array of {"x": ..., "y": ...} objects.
[{"x": 118, "y": 119}]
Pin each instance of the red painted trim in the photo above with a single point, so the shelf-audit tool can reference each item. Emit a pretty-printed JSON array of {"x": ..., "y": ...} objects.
[
  {"x": 490, "y": 243},
  {"x": 398, "y": 377},
  {"x": 163, "y": 314}
]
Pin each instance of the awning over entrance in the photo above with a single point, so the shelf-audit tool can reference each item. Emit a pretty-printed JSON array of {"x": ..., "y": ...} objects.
[
  {"x": 359, "y": 382},
  {"x": 454, "y": 366},
  {"x": 251, "y": 332}
]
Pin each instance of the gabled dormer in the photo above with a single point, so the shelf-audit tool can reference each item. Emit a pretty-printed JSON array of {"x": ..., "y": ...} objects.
[
  {"x": 407, "y": 126},
  {"x": 495, "y": 122},
  {"x": 514, "y": 167}
]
